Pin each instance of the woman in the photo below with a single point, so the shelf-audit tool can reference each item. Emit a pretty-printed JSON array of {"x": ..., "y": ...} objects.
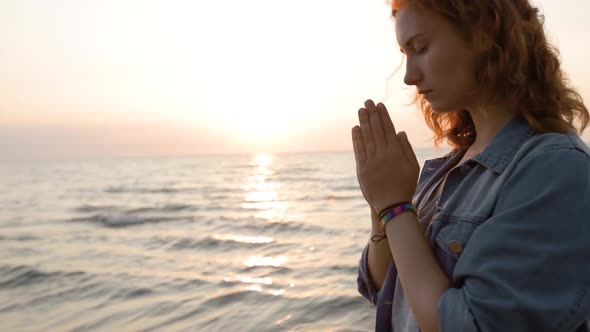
[{"x": 495, "y": 236}]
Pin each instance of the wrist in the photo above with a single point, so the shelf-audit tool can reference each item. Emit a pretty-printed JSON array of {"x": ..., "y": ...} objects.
[
  {"x": 402, "y": 219},
  {"x": 376, "y": 229},
  {"x": 379, "y": 207},
  {"x": 393, "y": 212}
]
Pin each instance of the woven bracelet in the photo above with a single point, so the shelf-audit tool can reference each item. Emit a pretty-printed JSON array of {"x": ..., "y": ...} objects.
[{"x": 391, "y": 212}]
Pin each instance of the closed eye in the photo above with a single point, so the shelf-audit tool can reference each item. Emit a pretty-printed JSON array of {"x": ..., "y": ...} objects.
[
  {"x": 421, "y": 50},
  {"x": 415, "y": 50}
]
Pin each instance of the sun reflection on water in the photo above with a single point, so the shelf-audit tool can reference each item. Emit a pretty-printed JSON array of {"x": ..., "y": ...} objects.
[
  {"x": 249, "y": 280},
  {"x": 277, "y": 292},
  {"x": 261, "y": 196},
  {"x": 281, "y": 321},
  {"x": 255, "y": 284},
  {"x": 263, "y": 159},
  {"x": 260, "y": 193},
  {"x": 254, "y": 288},
  {"x": 244, "y": 239},
  {"x": 265, "y": 261}
]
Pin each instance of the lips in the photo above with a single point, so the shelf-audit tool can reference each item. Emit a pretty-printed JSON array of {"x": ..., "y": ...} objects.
[{"x": 423, "y": 92}]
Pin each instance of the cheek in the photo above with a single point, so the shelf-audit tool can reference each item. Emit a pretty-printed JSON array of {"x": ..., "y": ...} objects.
[
  {"x": 445, "y": 64},
  {"x": 439, "y": 67},
  {"x": 455, "y": 72},
  {"x": 452, "y": 75}
]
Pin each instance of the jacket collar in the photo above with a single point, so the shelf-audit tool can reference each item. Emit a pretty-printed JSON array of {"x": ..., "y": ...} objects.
[{"x": 503, "y": 147}]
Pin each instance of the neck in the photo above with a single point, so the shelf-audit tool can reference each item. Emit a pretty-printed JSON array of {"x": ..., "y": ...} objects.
[{"x": 488, "y": 121}]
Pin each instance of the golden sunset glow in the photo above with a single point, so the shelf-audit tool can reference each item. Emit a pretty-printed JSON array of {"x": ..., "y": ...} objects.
[{"x": 130, "y": 77}]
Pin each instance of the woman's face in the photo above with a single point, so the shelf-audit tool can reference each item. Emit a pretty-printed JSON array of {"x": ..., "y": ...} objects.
[{"x": 438, "y": 60}]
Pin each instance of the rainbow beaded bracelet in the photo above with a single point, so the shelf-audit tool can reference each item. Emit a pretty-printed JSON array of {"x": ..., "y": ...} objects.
[{"x": 393, "y": 211}]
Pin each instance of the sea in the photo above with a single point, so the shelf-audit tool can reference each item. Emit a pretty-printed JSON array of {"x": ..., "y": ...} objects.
[{"x": 248, "y": 242}]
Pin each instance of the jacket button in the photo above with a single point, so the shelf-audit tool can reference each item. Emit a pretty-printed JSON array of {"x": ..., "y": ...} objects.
[{"x": 456, "y": 247}]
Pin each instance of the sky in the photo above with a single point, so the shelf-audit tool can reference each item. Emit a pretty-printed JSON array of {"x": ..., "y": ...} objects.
[{"x": 108, "y": 78}]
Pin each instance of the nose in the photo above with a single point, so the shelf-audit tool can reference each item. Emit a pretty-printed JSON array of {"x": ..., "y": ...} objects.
[{"x": 413, "y": 73}]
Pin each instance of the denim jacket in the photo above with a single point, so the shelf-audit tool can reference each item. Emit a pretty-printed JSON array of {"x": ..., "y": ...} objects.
[{"x": 512, "y": 233}]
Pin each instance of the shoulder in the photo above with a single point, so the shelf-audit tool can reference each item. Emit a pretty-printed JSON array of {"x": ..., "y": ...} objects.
[
  {"x": 543, "y": 143},
  {"x": 551, "y": 167},
  {"x": 553, "y": 150}
]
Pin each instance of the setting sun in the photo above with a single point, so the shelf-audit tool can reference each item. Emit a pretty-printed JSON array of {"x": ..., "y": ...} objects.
[{"x": 173, "y": 78}]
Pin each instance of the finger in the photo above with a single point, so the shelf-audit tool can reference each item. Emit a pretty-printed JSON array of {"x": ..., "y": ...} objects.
[
  {"x": 408, "y": 150},
  {"x": 412, "y": 153},
  {"x": 370, "y": 105},
  {"x": 360, "y": 155},
  {"x": 366, "y": 131},
  {"x": 388, "y": 127},
  {"x": 376, "y": 126}
]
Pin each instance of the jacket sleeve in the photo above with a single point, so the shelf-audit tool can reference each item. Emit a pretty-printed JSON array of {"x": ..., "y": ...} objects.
[
  {"x": 526, "y": 268},
  {"x": 364, "y": 283}
]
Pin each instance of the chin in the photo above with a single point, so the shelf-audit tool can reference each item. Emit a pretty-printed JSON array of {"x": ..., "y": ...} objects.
[{"x": 439, "y": 109}]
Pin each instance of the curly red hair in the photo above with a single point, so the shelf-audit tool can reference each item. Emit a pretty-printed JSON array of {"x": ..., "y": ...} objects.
[{"x": 516, "y": 67}]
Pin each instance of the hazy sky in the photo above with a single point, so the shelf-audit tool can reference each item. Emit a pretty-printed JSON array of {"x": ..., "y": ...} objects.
[{"x": 110, "y": 78}]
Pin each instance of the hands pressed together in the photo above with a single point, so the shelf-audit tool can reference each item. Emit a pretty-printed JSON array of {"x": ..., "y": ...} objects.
[{"x": 386, "y": 165}]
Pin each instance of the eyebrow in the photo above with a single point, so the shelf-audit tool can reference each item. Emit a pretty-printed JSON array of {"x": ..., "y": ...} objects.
[{"x": 409, "y": 41}]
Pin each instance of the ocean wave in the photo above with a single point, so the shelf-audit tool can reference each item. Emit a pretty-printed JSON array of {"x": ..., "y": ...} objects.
[
  {"x": 342, "y": 302},
  {"x": 218, "y": 189},
  {"x": 219, "y": 197},
  {"x": 286, "y": 226},
  {"x": 345, "y": 269},
  {"x": 354, "y": 188},
  {"x": 327, "y": 197},
  {"x": 296, "y": 170},
  {"x": 297, "y": 179},
  {"x": 211, "y": 243},
  {"x": 266, "y": 268},
  {"x": 275, "y": 310},
  {"x": 161, "y": 190},
  {"x": 342, "y": 197},
  {"x": 19, "y": 238},
  {"x": 112, "y": 209},
  {"x": 180, "y": 284},
  {"x": 166, "y": 208},
  {"x": 131, "y": 293},
  {"x": 122, "y": 220},
  {"x": 96, "y": 208},
  {"x": 221, "y": 242},
  {"x": 22, "y": 275},
  {"x": 80, "y": 284},
  {"x": 241, "y": 296}
]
